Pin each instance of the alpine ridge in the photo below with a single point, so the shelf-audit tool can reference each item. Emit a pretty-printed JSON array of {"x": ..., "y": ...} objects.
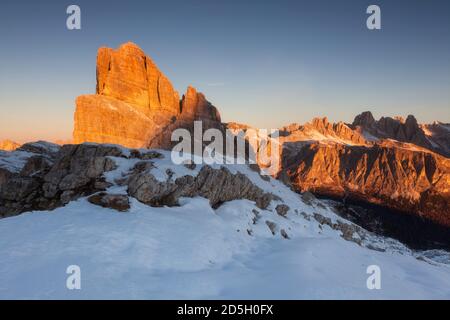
[
  {"x": 390, "y": 162},
  {"x": 376, "y": 166},
  {"x": 8, "y": 145}
]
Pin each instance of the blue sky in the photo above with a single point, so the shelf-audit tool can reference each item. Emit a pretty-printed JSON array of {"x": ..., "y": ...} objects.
[{"x": 265, "y": 63}]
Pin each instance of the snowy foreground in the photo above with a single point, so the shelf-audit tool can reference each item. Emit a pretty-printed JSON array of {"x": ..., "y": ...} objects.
[{"x": 195, "y": 252}]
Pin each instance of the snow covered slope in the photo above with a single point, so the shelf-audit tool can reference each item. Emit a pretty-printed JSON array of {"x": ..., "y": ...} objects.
[{"x": 192, "y": 251}]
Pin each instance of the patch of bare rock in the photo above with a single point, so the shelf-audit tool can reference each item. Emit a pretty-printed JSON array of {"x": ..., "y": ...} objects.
[
  {"x": 52, "y": 178},
  {"x": 117, "y": 202},
  {"x": 217, "y": 185}
]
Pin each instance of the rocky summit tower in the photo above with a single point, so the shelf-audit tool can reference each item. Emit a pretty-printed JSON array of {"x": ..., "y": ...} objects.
[{"x": 135, "y": 104}]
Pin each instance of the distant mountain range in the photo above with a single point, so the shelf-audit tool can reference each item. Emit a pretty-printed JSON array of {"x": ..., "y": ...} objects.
[
  {"x": 367, "y": 163},
  {"x": 8, "y": 145}
]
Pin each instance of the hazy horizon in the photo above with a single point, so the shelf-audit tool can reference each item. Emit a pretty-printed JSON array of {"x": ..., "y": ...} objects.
[{"x": 266, "y": 64}]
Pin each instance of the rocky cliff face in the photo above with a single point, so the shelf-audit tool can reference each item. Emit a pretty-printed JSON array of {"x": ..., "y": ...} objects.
[
  {"x": 194, "y": 106},
  {"x": 415, "y": 181},
  {"x": 135, "y": 104}
]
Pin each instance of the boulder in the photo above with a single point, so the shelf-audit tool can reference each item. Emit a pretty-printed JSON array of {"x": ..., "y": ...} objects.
[
  {"x": 117, "y": 202},
  {"x": 282, "y": 209}
]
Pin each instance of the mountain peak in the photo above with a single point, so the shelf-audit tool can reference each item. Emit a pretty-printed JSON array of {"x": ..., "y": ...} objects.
[
  {"x": 130, "y": 44},
  {"x": 320, "y": 123},
  {"x": 134, "y": 102},
  {"x": 364, "y": 119},
  {"x": 411, "y": 119},
  {"x": 402, "y": 130},
  {"x": 8, "y": 145}
]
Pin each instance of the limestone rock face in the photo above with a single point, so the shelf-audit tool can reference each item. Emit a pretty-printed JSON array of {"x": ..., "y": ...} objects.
[
  {"x": 8, "y": 145},
  {"x": 127, "y": 74},
  {"x": 135, "y": 104},
  {"x": 122, "y": 75},
  {"x": 104, "y": 119},
  {"x": 194, "y": 106},
  {"x": 389, "y": 174}
]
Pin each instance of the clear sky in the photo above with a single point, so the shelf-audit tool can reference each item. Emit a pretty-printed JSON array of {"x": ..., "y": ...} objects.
[{"x": 264, "y": 63}]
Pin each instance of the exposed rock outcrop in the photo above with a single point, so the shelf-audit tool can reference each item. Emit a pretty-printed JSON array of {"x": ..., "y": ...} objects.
[
  {"x": 282, "y": 209},
  {"x": 49, "y": 180},
  {"x": 135, "y": 104},
  {"x": 117, "y": 202},
  {"x": 45, "y": 148},
  {"x": 217, "y": 185},
  {"x": 349, "y": 231}
]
